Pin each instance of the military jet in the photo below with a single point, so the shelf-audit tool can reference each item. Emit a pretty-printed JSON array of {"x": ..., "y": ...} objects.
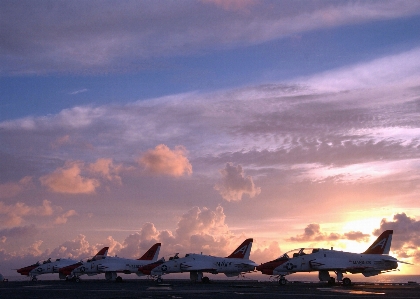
[
  {"x": 235, "y": 264},
  {"x": 375, "y": 260},
  {"x": 113, "y": 265}
]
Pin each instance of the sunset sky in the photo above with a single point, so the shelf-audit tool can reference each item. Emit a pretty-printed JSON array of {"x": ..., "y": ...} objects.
[{"x": 198, "y": 124}]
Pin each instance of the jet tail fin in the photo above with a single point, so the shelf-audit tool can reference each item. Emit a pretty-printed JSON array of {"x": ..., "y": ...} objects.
[
  {"x": 243, "y": 251},
  {"x": 382, "y": 244},
  {"x": 101, "y": 254},
  {"x": 152, "y": 254}
]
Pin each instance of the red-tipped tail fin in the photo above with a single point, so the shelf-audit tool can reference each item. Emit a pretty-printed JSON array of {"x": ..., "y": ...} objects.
[
  {"x": 152, "y": 254},
  {"x": 101, "y": 254},
  {"x": 243, "y": 251},
  {"x": 382, "y": 245}
]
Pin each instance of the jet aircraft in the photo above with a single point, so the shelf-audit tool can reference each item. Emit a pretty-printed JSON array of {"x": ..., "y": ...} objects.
[
  {"x": 66, "y": 271},
  {"x": 49, "y": 266},
  {"x": 113, "y": 265},
  {"x": 375, "y": 260},
  {"x": 233, "y": 265}
]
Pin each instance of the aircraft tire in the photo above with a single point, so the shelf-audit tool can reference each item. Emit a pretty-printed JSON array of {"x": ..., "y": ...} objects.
[
  {"x": 331, "y": 281},
  {"x": 118, "y": 279},
  {"x": 282, "y": 281},
  {"x": 34, "y": 279},
  {"x": 159, "y": 280},
  {"x": 205, "y": 279},
  {"x": 346, "y": 282},
  {"x": 77, "y": 279}
]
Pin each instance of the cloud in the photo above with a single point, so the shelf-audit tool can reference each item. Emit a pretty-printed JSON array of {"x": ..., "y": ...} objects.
[
  {"x": 198, "y": 230},
  {"x": 86, "y": 37},
  {"x": 64, "y": 217},
  {"x": 11, "y": 189},
  {"x": 313, "y": 232},
  {"x": 60, "y": 141},
  {"x": 402, "y": 68},
  {"x": 18, "y": 232},
  {"x": 234, "y": 184},
  {"x": 163, "y": 161},
  {"x": 12, "y": 215},
  {"x": 265, "y": 253},
  {"x": 107, "y": 169},
  {"x": 79, "y": 91},
  {"x": 68, "y": 180},
  {"x": 406, "y": 237},
  {"x": 232, "y": 5}
]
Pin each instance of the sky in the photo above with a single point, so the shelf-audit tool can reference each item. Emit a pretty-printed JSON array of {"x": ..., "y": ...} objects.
[{"x": 199, "y": 124}]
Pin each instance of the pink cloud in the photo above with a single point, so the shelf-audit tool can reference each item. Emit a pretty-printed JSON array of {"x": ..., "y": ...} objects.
[
  {"x": 266, "y": 253},
  {"x": 313, "y": 232},
  {"x": 163, "y": 161},
  {"x": 68, "y": 179},
  {"x": 106, "y": 168},
  {"x": 64, "y": 217},
  {"x": 12, "y": 215},
  {"x": 11, "y": 189},
  {"x": 60, "y": 141},
  {"x": 234, "y": 184},
  {"x": 76, "y": 248}
]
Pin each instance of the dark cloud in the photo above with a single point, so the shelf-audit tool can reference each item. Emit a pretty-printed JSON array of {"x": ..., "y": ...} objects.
[
  {"x": 19, "y": 231},
  {"x": 406, "y": 237},
  {"x": 313, "y": 233}
]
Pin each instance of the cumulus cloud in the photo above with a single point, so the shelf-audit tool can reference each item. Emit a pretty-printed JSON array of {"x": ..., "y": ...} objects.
[
  {"x": 234, "y": 184},
  {"x": 163, "y": 161},
  {"x": 198, "y": 230},
  {"x": 406, "y": 237},
  {"x": 68, "y": 179},
  {"x": 12, "y": 215},
  {"x": 265, "y": 253},
  {"x": 76, "y": 248},
  {"x": 107, "y": 169},
  {"x": 11, "y": 189},
  {"x": 64, "y": 217},
  {"x": 313, "y": 232},
  {"x": 73, "y": 177}
]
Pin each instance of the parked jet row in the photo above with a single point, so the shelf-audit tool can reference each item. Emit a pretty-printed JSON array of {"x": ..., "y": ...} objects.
[
  {"x": 375, "y": 260},
  {"x": 60, "y": 266}
]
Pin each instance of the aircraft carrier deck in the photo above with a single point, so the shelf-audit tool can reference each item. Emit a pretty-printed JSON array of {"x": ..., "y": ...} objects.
[{"x": 92, "y": 289}]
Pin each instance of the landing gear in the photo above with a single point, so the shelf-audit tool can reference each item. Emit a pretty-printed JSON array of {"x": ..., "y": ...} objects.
[
  {"x": 159, "y": 280},
  {"x": 331, "y": 281},
  {"x": 205, "y": 279},
  {"x": 346, "y": 282},
  {"x": 34, "y": 278},
  {"x": 282, "y": 281},
  {"x": 77, "y": 279},
  {"x": 118, "y": 279}
]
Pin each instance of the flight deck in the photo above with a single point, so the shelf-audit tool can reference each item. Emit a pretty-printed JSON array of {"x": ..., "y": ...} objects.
[{"x": 93, "y": 289}]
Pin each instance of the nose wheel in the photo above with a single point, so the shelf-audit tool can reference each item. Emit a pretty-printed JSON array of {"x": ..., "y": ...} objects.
[
  {"x": 346, "y": 282},
  {"x": 282, "y": 281}
]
